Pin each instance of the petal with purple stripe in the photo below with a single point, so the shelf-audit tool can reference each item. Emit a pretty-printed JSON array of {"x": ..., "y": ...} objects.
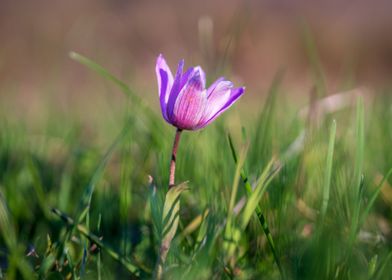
[
  {"x": 214, "y": 85},
  {"x": 219, "y": 101},
  {"x": 200, "y": 72},
  {"x": 190, "y": 104},
  {"x": 175, "y": 90},
  {"x": 165, "y": 83},
  {"x": 217, "y": 96}
]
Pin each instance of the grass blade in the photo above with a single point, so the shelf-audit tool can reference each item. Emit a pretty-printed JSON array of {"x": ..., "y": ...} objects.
[
  {"x": 132, "y": 268},
  {"x": 358, "y": 176},
  {"x": 120, "y": 84},
  {"x": 314, "y": 60},
  {"x": 88, "y": 193},
  {"x": 255, "y": 197},
  {"x": 374, "y": 196},
  {"x": 231, "y": 234},
  {"x": 261, "y": 218},
  {"x": 328, "y": 170}
]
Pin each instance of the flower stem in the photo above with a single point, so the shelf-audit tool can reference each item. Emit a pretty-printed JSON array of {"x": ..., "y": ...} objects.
[
  {"x": 165, "y": 246},
  {"x": 172, "y": 173}
]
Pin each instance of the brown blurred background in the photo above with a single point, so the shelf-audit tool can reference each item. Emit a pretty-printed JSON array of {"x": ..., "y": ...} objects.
[{"x": 246, "y": 40}]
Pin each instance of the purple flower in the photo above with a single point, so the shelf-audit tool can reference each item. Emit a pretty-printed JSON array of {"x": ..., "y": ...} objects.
[{"x": 185, "y": 101}]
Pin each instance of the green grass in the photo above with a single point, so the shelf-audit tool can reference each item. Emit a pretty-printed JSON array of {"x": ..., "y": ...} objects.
[{"x": 277, "y": 196}]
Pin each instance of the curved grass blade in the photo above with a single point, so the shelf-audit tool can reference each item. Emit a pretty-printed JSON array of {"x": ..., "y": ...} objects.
[
  {"x": 358, "y": 176},
  {"x": 132, "y": 268},
  {"x": 156, "y": 207},
  {"x": 380, "y": 271},
  {"x": 374, "y": 196},
  {"x": 260, "y": 215},
  {"x": 153, "y": 119},
  {"x": 99, "y": 253},
  {"x": 256, "y": 195},
  {"x": 195, "y": 223},
  {"x": 86, "y": 198},
  {"x": 266, "y": 122},
  {"x": 38, "y": 187},
  {"x": 328, "y": 170},
  {"x": 17, "y": 262},
  {"x": 120, "y": 84},
  {"x": 231, "y": 233},
  {"x": 84, "y": 204},
  {"x": 314, "y": 60}
]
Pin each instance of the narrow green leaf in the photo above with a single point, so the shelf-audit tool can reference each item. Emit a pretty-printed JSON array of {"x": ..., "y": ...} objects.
[
  {"x": 262, "y": 220},
  {"x": 17, "y": 262},
  {"x": 314, "y": 60},
  {"x": 328, "y": 169},
  {"x": 38, "y": 188},
  {"x": 88, "y": 193},
  {"x": 358, "y": 176},
  {"x": 374, "y": 196},
  {"x": 140, "y": 108},
  {"x": 99, "y": 266},
  {"x": 230, "y": 228},
  {"x": 156, "y": 209},
  {"x": 266, "y": 125},
  {"x": 372, "y": 266},
  {"x": 7, "y": 230},
  {"x": 381, "y": 268},
  {"x": 170, "y": 220},
  {"x": 202, "y": 230},
  {"x": 107, "y": 75},
  {"x": 133, "y": 268},
  {"x": 254, "y": 199},
  {"x": 171, "y": 208}
]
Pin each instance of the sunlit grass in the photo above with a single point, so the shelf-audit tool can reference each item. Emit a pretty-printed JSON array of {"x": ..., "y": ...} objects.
[{"x": 289, "y": 196}]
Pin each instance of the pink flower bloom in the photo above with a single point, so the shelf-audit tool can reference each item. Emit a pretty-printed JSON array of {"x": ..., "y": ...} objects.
[{"x": 185, "y": 101}]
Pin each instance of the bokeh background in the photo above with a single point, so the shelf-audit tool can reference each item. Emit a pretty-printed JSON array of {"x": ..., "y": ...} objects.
[
  {"x": 69, "y": 136},
  {"x": 245, "y": 40}
]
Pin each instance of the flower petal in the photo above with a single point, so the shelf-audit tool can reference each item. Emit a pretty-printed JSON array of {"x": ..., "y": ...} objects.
[
  {"x": 190, "y": 104},
  {"x": 175, "y": 90},
  {"x": 177, "y": 80},
  {"x": 202, "y": 75},
  {"x": 165, "y": 82},
  {"x": 217, "y": 96},
  {"x": 181, "y": 82},
  {"x": 219, "y": 100},
  {"x": 214, "y": 85},
  {"x": 185, "y": 77}
]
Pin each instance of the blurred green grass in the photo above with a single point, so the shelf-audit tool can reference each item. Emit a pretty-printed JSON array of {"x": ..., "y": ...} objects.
[{"x": 328, "y": 210}]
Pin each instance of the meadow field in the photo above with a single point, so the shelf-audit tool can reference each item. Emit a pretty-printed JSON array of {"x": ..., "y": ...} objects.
[{"x": 292, "y": 182}]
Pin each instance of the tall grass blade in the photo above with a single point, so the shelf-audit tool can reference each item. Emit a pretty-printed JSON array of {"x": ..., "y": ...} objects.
[
  {"x": 358, "y": 176},
  {"x": 266, "y": 124},
  {"x": 261, "y": 218},
  {"x": 231, "y": 233},
  {"x": 374, "y": 196},
  {"x": 137, "y": 101},
  {"x": 16, "y": 254},
  {"x": 88, "y": 193},
  {"x": 328, "y": 170},
  {"x": 38, "y": 188},
  {"x": 132, "y": 268},
  {"x": 99, "y": 252},
  {"x": 314, "y": 60},
  {"x": 255, "y": 197}
]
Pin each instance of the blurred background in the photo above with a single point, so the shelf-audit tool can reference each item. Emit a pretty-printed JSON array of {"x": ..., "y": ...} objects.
[
  {"x": 66, "y": 132},
  {"x": 246, "y": 40}
]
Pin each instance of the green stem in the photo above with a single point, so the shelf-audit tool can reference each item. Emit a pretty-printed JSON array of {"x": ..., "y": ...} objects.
[{"x": 165, "y": 245}]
